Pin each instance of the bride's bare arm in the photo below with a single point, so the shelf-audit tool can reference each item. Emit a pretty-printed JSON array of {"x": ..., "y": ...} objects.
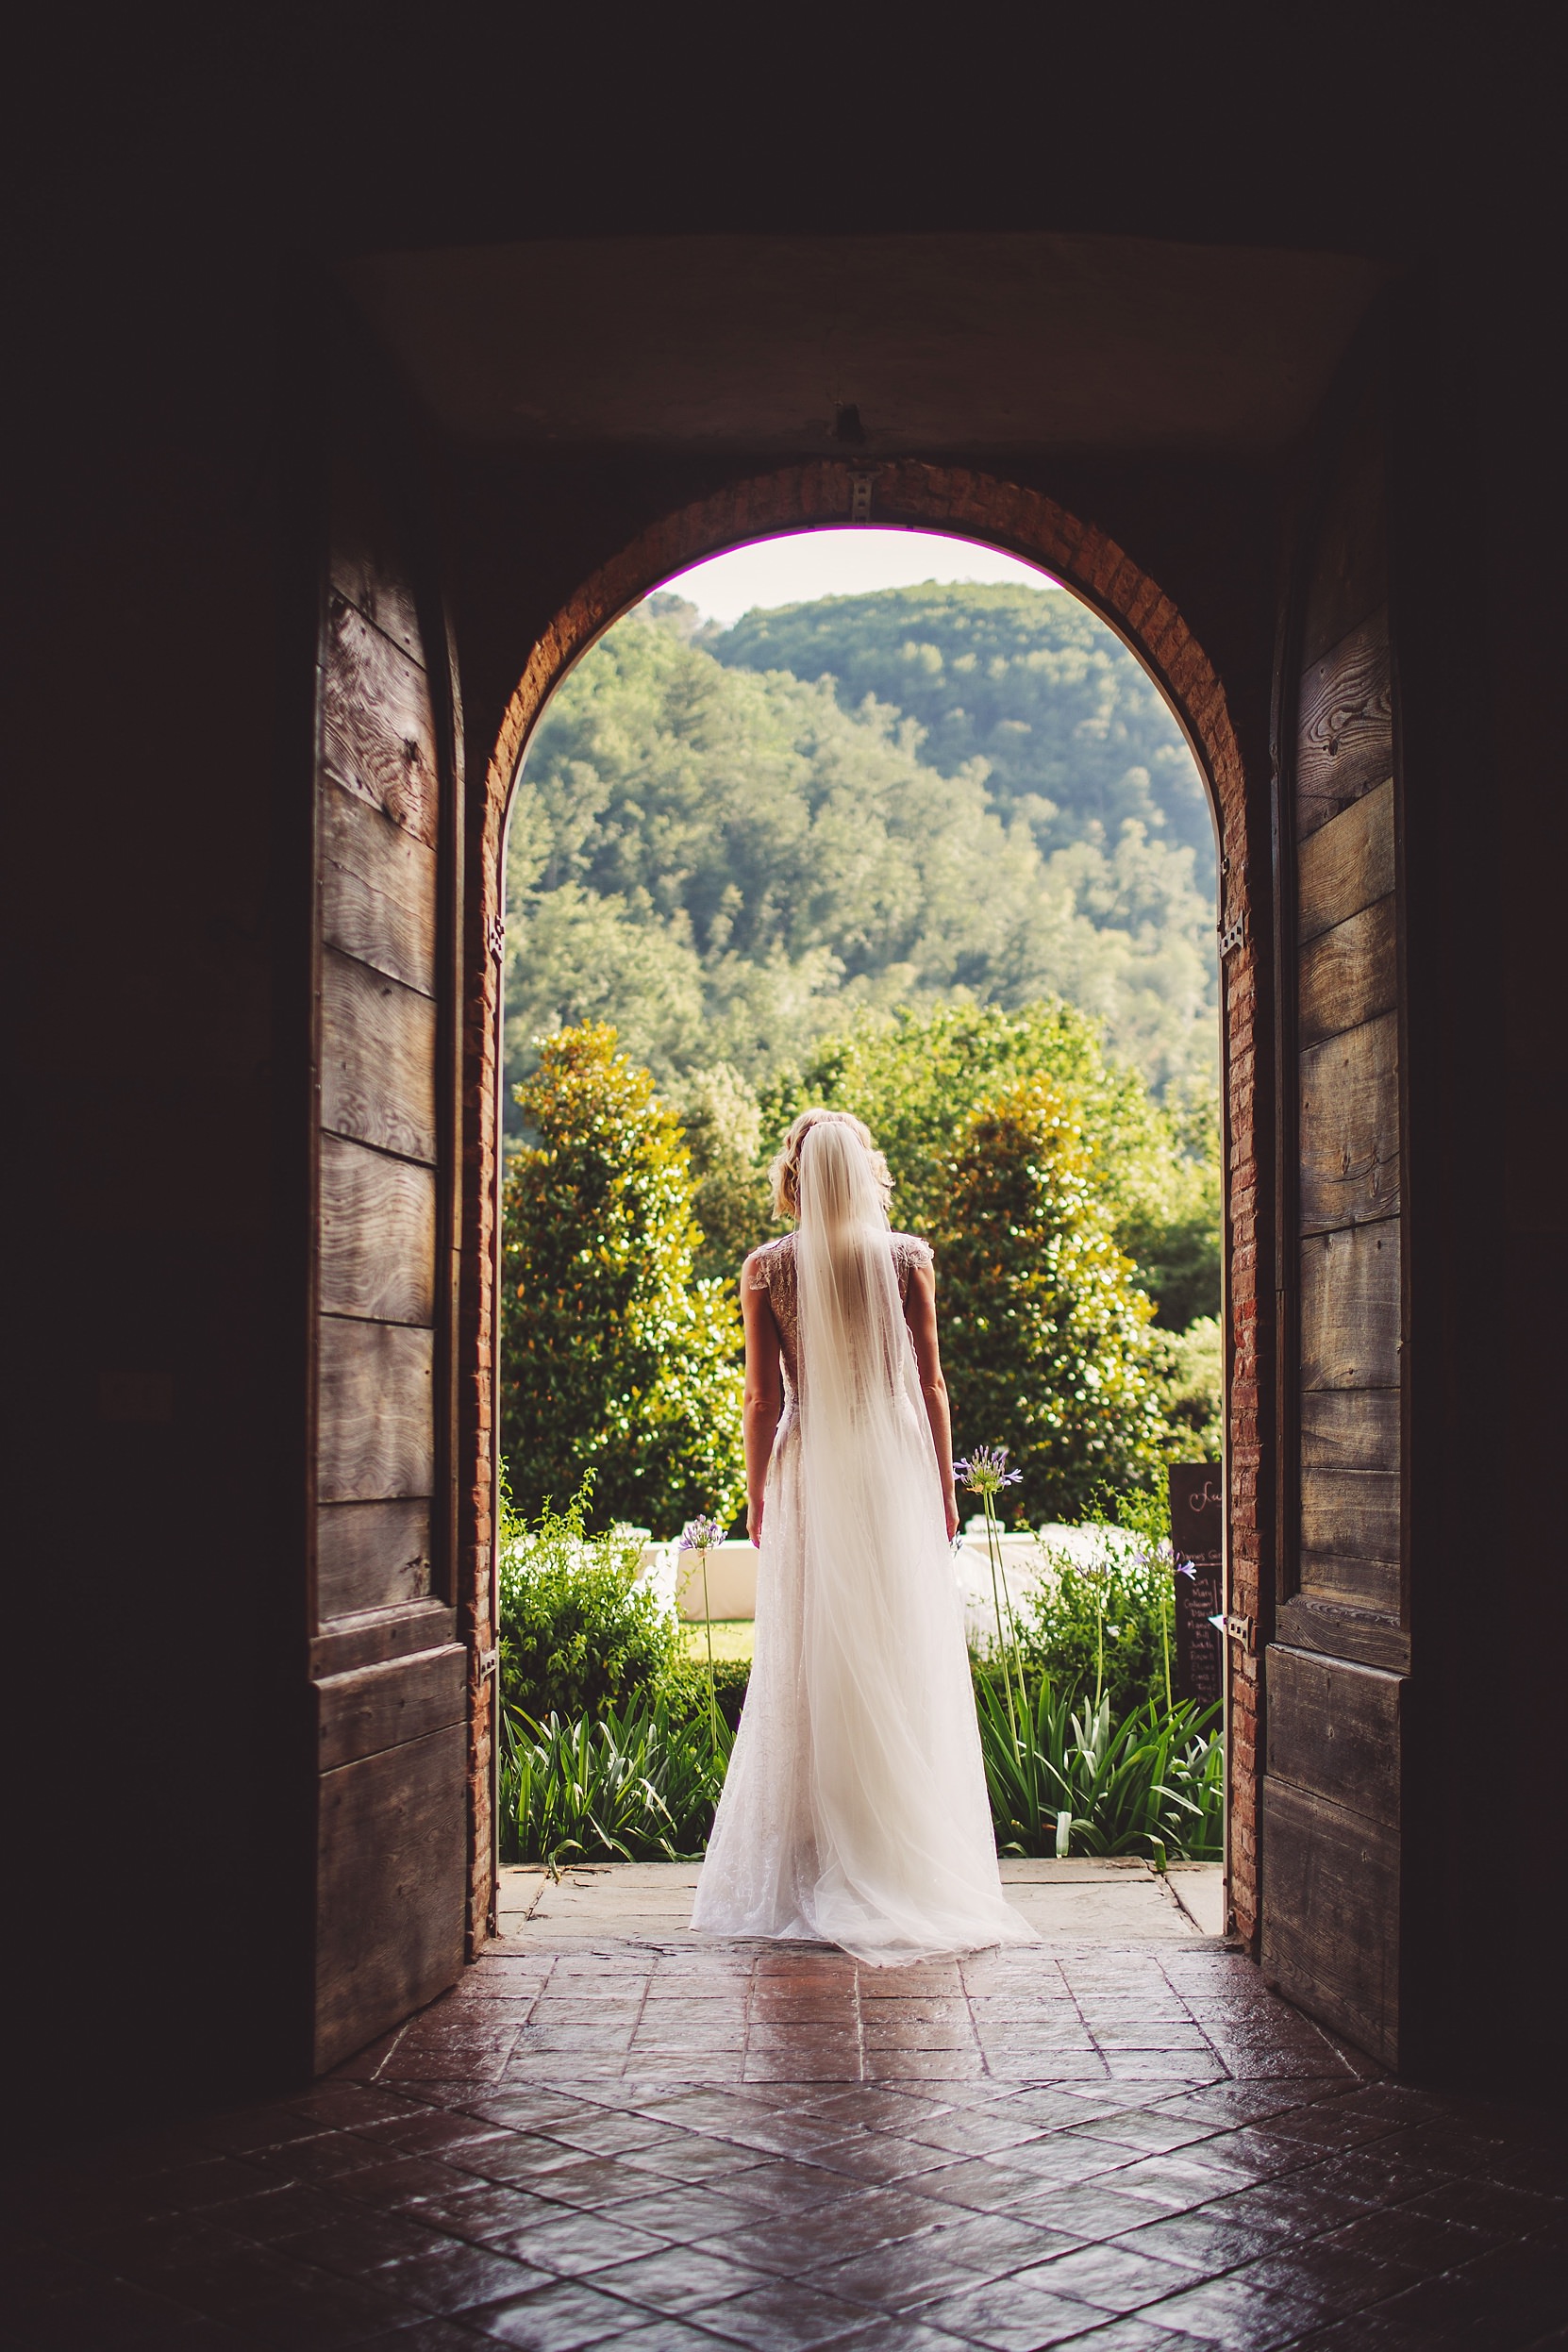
[
  {"x": 920, "y": 1314},
  {"x": 764, "y": 1398}
]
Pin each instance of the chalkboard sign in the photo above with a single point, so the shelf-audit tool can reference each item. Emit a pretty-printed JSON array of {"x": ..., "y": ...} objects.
[{"x": 1197, "y": 1539}]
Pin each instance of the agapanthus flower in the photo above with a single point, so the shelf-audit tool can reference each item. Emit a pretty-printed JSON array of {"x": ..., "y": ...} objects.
[
  {"x": 986, "y": 1471},
  {"x": 699, "y": 1535}
]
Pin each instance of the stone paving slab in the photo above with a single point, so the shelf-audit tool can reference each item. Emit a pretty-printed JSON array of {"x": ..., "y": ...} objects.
[
  {"x": 667, "y": 2146},
  {"x": 1077, "y": 1902}
]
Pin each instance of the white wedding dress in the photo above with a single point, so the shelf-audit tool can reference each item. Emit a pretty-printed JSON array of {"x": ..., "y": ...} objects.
[{"x": 855, "y": 1808}]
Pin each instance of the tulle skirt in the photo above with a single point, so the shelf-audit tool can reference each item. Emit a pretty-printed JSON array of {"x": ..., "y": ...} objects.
[{"x": 855, "y": 1808}]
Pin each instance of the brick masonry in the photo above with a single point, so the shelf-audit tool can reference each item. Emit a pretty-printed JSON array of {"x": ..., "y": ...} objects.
[{"x": 1091, "y": 563}]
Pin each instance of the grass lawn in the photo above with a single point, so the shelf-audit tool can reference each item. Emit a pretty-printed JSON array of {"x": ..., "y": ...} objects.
[{"x": 732, "y": 1638}]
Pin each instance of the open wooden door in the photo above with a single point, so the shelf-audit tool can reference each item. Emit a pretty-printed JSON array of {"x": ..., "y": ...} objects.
[
  {"x": 391, "y": 1681},
  {"x": 1337, "y": 1668}
]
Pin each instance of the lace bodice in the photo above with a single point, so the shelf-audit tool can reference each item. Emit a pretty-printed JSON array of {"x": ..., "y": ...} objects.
[{"x": 772, "y": 1268}]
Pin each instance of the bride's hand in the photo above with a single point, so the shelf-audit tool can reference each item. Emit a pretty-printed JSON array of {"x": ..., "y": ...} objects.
[
  {"x": 952, "y": 1515},
  {"x": 754, "y": 1521}
]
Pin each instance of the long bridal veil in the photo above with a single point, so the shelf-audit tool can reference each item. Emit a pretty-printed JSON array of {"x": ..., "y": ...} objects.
[{"x": 858, "y": 1810}]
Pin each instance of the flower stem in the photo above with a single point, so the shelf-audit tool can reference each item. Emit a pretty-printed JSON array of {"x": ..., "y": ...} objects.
[{"x": 707, "y": 1628}]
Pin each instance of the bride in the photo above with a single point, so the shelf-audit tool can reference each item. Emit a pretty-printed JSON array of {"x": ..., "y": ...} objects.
[{"x": 854, "y": 1811}]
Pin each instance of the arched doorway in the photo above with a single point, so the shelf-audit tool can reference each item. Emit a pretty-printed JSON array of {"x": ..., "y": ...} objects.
[{"x": 1085, "y": 561}]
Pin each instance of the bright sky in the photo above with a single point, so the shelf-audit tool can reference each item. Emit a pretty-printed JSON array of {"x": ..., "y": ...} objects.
[{"x": 808, "y": 564}]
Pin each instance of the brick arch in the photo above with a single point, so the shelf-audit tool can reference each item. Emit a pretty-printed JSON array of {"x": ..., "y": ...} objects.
[{"x": 1085, "y": 560}]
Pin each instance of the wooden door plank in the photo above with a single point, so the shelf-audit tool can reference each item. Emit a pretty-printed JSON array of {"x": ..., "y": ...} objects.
[
  {"x": 390, "y": 1868},
  {"x": 1349, "y": 974},
  {"x": 370, "y": 1555},
  {"x": 1306, "y": 1620},
  {"x": 1350, "y": 1428},
  {"x": 377, "y": 1235},
  {"x": 1355, "y": 1511},
  {"x": 375, "y": 1423},
  {"x": 1347, "y": 1580},
  {"x": 379, "y": 1707},
  {"x": 1344, "y": 741},
  {"x": 378, "y": 890},
  {"x": 1347, "y": 864},
  {"x": 1331, "y": 1915},
  {"x": 369, "y": 567},
  {"x": 1348, "y": 1130},
  {"x": 379, "y": 735},
  {"x": 379, "y": 1059},
  {"x": 1350, "y": 1538},
  {"x": 1350, "y": 569},
  {"x": 1333, "y": 1730},
  {"x": 372, "y": 1635},
  {"x": 1350, "y": 1315}
]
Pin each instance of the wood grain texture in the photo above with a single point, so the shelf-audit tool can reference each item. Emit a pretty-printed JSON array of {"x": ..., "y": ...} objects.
[
  {"x": 1305, "y": 1621},
  {"x": 391, "y": 1867},
  {"x": 1350, "y": 1321},
  {"x": 1350, "y": 1529},
  {"x": 1344, "y": 739},
  {"x": 377, "y": 890},
  {"x": 370, "y": 1555},
  {"x": 374, "y": 1421},
  {"x": 1348, "y": 1131},
  {"x": 1331, "y": 1915},
  {"x": 1333, "y": 1728},
  {"x": 1350, "y": 1428},
  {"x": 1347, "y": 864},
  {"x": 372, "y": 1636},
  {"x": 1350, "y": 571},
  {"x": 1348, "y": 976},
  {"x": 370, "y": 563},
  {"x": 377, "y": 1235},
  {"x": 380, "y": 734},
  {"x": 385, "y": 1705},
  {"x": 378, "y": 1060}
]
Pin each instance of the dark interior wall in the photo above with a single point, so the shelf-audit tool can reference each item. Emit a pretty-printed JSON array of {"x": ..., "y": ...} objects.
[
  {"x": 157, "y": 714},
  {"x": 1481, "y": 512},
  {"x": 158, "y": 641}
]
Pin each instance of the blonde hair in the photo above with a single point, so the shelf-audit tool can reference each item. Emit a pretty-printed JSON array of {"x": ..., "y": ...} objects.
[{"x": 784, "y": 1176}]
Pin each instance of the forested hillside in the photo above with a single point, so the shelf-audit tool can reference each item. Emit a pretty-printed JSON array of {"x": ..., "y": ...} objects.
[
  {"x": 727, "y": 843},
  {"x": 1072, "y": 733}
]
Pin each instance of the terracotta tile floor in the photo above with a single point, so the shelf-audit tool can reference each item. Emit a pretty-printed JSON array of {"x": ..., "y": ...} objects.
[{"x": 659, "y": 2146}]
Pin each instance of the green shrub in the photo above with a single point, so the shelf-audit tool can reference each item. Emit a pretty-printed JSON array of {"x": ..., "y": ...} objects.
[
  {"x": 1045, "y": 1335},
  {"x": 916, "y": 1074},
  {"x": 635, "y": 1786},
  {"x": 614, "y": 1357},
  {"x": 577, "y": 1633},
  {"x": 1153, "y": 1784},
  {"x": 1193, "y": 1377},
  {"x": 684, "y": 1687}
]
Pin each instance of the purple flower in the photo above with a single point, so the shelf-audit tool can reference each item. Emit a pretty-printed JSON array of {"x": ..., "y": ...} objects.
[
  {"x": 699, "y": 1535},
  {"x": 1185, "y": 1568},
  {"x": 985, "y": 1471}
]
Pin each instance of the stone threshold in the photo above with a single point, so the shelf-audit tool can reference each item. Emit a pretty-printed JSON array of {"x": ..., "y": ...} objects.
[{"x": 1077, "y": 1902}]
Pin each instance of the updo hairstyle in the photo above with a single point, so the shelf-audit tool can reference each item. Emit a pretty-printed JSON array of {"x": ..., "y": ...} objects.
[{"x": 784, "y": 1176}]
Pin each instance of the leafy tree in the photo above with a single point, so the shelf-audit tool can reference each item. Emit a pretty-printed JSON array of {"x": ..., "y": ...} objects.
[
  {"x": 915, "y": 1076},
  {"x": 614, "y": 1357},
  {"x": 1045, "y": 1336},
  {"x": 722, "y": 1122},
  {"x": 725, "y": 861},
  {"x": 1074, "y": 732}
]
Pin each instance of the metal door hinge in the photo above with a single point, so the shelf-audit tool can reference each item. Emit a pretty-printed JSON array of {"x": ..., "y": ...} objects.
[
  {"x": 484, "y": 1664},
  {"x": 497, "y": 937},
  {"x": 1232, "y": 933},
  {"x": 1240, "y": 1630},
  {"x": 859, "y": 497}
]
